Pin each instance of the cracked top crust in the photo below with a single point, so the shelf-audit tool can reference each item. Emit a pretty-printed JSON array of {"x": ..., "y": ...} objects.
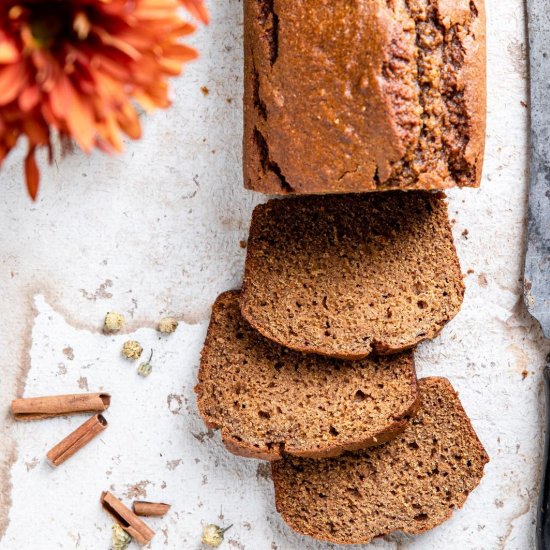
[{"x": 363, "y": 96}]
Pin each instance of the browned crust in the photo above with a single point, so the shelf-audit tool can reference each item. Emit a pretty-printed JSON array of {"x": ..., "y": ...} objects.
[
  {"x": 272, "y": 452},
  {"x": 241, "y": 448},
  {"x": 371, "y": 346},
  {"x": 411, "y": 530},
  {"x": 281, "y": 178},
  {"x": 251, "y": 162},
  {"x": 474, "y": 74}
]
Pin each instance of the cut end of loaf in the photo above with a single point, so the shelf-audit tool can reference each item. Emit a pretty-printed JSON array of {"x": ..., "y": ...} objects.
[
  {"x": 348, "y": 275},
  {"x": 270, "y": 401}
]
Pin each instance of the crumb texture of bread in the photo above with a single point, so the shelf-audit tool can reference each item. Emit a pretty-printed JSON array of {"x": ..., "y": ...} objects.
[
  {"x": 411, "y": 484},
  {"x": 397, "y": 100},
  {"x": 270, "y": 401},
  {"x": 346, "y": 275}
]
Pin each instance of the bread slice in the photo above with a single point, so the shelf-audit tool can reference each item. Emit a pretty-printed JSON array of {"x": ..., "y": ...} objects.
[
  {"x": 346, "y": 275},
  {"x": 269, "y": 401},
  {"x": 410, "y": 484}
]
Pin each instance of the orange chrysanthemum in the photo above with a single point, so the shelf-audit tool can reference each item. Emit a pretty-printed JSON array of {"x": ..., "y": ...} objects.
[{"x": 77, "y": 68}]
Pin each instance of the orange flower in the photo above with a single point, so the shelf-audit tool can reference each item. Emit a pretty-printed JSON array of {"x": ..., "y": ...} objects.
[{"x": 78, "y": 67}]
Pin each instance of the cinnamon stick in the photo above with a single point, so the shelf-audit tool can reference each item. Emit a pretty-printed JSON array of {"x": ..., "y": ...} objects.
[
  {"x": 150, "y": 509},
  {"x": 36, "y": 408},
  {"x": 134, "y": 526},
  {"x": 76, "y": 440}
]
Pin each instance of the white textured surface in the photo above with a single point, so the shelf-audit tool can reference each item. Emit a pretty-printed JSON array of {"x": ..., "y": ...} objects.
[{"x": 157, "y": 231}]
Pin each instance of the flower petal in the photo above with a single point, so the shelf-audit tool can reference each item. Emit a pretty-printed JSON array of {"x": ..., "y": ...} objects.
[
  {"x": 8, "y": 50},
  {"x": 29, "y": 98},
  {"x": 12, "y": 79},
  {"x": 80, "y": 121},
  {"x": 36, "y": 131},
  {"x": 32, "y": 174}
]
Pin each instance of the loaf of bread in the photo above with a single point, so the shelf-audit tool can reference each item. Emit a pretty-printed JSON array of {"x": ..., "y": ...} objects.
[
  {"x": 346, "y": 275},
  {"x": 269, "y": 401},
  {"x": 363, "y": 96},
  {"x": 412, "y": 483}
]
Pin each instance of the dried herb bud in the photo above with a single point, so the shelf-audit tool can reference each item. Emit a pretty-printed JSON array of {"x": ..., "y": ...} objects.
[
  {"x": 212, "y": 535},
  {"x": 168, "y": 325},
  {"x": 146, "y": 368},
  {"x": 132, "y": 349},
  {"x": 121, "y": 539},
  {"x": 114, "y": 321}
]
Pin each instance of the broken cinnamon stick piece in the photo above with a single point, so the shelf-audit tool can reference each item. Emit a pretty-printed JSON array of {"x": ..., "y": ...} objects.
[
  {"x": 36, "y": 408},
  {"x": 150, "y": 509},
  {"x": 76, "y": 440},
  {"x": 134, "y": 526}
]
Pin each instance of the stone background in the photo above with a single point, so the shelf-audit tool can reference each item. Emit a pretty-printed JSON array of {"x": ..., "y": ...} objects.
[{"x": 157, "y": 231}]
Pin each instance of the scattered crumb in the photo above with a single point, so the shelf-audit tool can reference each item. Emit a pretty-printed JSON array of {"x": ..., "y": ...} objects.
[
  {"x": 243, "y": 244},
  {"x": 175, "y": 403},
  {"x": 138, "y": 490},
  {"x": 83, "y": 383},
  {"x": 470, "y": 271},
  {"x": 100, "y": 293},
  {"x": 524, "y": 374},
  {"x": 229, "y": 100},
  {"x": 205, "y": 91},
  {"x": 68, "y": 352},
  {"x": 173, "y": 464},
  {"x": 465, "y": 233},
  {"x": 61, "y": 368},
  {"x": 203, "y": 436},
  {"x": 523, "y": 104},
  {"x": 32, "y": 464},
  {"x": 482, "y": 280}
]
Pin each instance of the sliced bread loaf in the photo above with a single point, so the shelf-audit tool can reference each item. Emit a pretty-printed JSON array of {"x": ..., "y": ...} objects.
[
  {"x": 412, "y": 483},
  {"x": 346, "y": 275},
  {"x": 269, "y": 400}
]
